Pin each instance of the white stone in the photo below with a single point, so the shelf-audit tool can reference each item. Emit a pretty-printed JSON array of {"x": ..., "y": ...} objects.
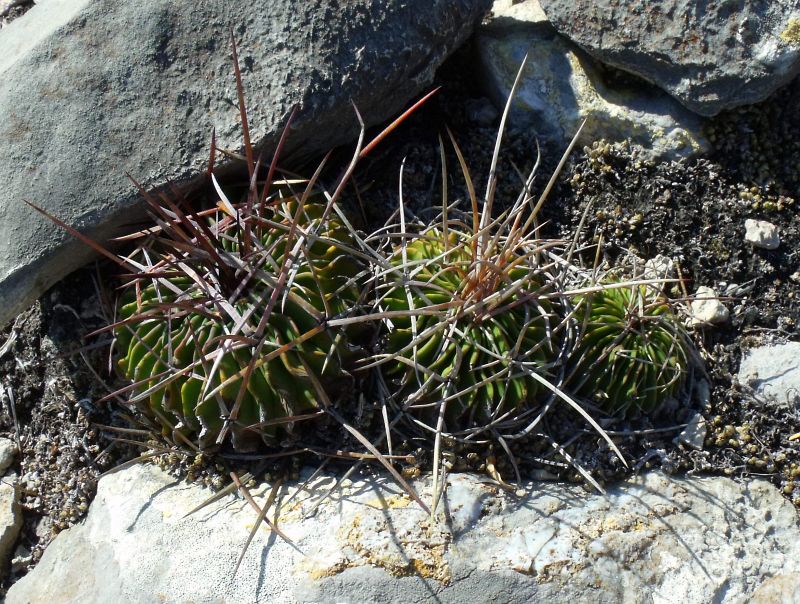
[
  {"x": 8, "y": 450},
  {"x": 659, "y": 267},
  {"x": 706, "y": 307},
  {"x": 527, "y": 10},
  {"x": 10, "y": 519},
  {"x": 761, "y": 234},
  {"x": 652, "y": 538},
  {"x": 774, "y": 371}
]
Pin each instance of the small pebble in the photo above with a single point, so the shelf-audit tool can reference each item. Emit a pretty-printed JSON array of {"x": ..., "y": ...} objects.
[
  {"x": 707, "y": 309},
  {"x": 694, "y": 434},
  {"x": 761, "y": 234},
  {"x": 8, "y": 451},
  {"x": 660, "y": 267}
]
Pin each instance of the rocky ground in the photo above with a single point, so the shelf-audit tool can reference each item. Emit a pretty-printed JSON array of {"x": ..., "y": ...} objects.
[{"x": 692, "y": 211}]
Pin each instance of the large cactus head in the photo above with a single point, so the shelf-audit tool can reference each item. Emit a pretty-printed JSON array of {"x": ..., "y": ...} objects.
[
  {"x": 235, "y": 342},
  {"x": 632, "y": 352},
  {"x": 468, "y": 336}
]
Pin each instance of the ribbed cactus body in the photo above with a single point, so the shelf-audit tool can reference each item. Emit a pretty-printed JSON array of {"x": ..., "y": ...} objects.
[
  {"x": 476, "y": 356},
  {"x": 632, "y": 352},
  {"x": 174, "y": 340}
]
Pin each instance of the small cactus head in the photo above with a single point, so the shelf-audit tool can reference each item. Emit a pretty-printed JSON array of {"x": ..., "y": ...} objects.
[
  {"x": 632, "y": 352},
  {"x": 462, "y": 341},
  {"x": 240, "y": 351}
]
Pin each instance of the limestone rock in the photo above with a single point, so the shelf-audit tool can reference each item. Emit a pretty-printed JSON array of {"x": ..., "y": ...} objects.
[
  {"x": 709, "y": 55},
  {"x": 653, "y": 538},
  {"x": 762, "y": 234},
  {"x": 774, "y": 371},
  {"x": 10, "y": 519},
  {"x": 707, "y": 309},
  {"x": 780, "y": 589},
  {"x": 562, "y": 86},
  {"x": 94, "y": 89}
]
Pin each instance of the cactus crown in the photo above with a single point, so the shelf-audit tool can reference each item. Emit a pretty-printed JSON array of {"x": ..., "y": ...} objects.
[
  {"x": 464, "y": 342},
  {"x": 210, "y": 355},
  {"x": 473, "y": 330},
  {"x": 633, "y": 353}
]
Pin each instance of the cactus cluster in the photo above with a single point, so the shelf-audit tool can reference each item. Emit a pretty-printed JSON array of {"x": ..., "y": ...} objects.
[
  {"x": 474, "y": 325},
  {"x": 240, "y": 323},
  {"x": 471, "y": 340}
]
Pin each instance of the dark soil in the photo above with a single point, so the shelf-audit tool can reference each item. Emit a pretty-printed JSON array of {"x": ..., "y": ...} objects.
[
  {"x": 692, "y": 211},
  {"x": 13, "y": 10},
  {"x": 48, "y": 390}
]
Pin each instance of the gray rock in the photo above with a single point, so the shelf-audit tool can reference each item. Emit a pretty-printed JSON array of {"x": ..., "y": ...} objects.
[
  {"x": 706, "y": 308},
  {"x": 701, "y": 393},
  {"x": 762, "y": 234},
  {"x": 562, "y": 86},
  {"x": 10, "y": 520},
  {"x": 92, "y": 90},
  {"x": 8, "y": 450},
  {"x": 653, "y": 538},
  {"x": 774, "y": 371},
  {"x": 709, "y": 55}
]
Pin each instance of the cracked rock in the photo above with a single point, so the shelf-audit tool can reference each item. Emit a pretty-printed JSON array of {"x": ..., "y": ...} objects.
[{"x": 647, "y": 540}]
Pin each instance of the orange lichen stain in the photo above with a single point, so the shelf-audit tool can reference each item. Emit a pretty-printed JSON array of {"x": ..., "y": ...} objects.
[
  {"x": 329, "y": 571},
  {"x": 421, "y": 555},
  {"x": 394, "y": 502}
]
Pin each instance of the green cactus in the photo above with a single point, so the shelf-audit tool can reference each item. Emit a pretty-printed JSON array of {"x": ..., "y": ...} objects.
[
  {"x": 174, "y": 328},
  {"x": 474, "y": 342},
  {"x": 632, "y": 353}
]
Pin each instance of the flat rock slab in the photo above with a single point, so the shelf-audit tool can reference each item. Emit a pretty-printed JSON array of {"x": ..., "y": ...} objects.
[
  {"x": 709, "y": 55},
  {"x": 562, "y": 86},
  {"x": 774, "y": 372},
  {"x": 653, "y": 538},
  {"x": 94, "y": 89}
]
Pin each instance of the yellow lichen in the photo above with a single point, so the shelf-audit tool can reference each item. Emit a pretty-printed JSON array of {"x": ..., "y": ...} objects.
[
  {"x": 791, "y": 35},
  {"x": 392, "y": 502},
  {"x": 422, "y": 554}
]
